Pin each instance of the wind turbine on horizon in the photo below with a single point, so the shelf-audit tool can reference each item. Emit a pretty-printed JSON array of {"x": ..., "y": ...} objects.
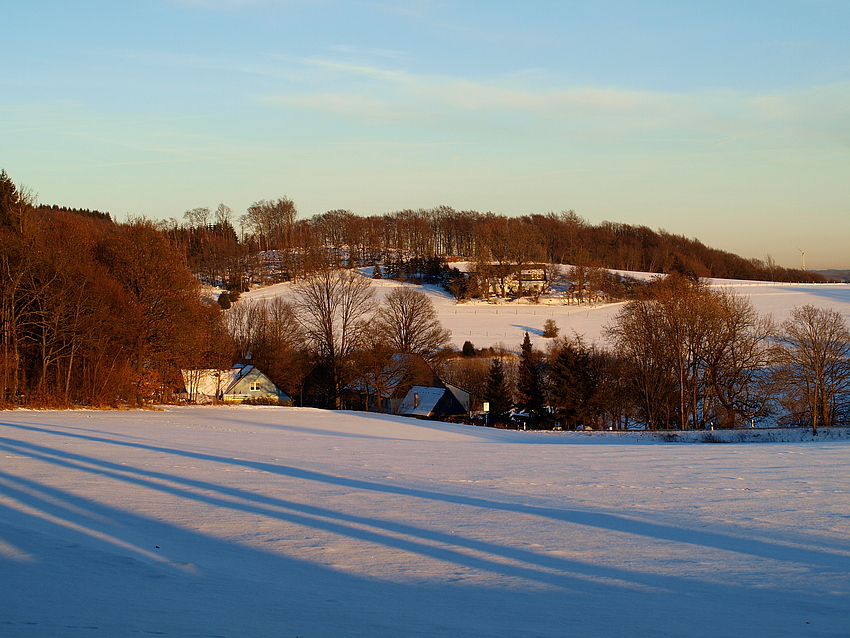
[{"x": 803, "y": 258}]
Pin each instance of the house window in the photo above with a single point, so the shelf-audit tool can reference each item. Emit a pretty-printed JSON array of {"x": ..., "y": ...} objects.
[{"x": 255, "y": 386}]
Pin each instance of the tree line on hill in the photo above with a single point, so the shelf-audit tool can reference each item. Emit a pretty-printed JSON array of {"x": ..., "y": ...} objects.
[
  {"x": 95, "y": 312},
  {"x": 274, "y": 245}
]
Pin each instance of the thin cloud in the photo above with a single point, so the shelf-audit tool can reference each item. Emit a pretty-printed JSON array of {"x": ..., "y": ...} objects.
[
  {"x": 360, "y": 70},
  {"x": 332, "y": 102},
  {"x": 281, "y": 70},
  {"x": 368, "y": 52},
  {"x": 372, "y": 92},
  {"x": 727, "y": 140}
]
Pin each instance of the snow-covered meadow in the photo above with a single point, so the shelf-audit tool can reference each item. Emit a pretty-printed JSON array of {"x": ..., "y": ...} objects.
[
  {"x": 489, "y": 324},
  {"x": 285, "y": 522}
]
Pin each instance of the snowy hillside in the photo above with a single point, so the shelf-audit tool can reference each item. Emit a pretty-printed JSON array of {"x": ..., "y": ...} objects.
[
  {"x": 486, "y": 324},
  {"x": 285, "y": 522}
]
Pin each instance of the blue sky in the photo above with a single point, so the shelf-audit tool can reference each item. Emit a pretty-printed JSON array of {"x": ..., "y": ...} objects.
[{"x": 725, "y": 121}]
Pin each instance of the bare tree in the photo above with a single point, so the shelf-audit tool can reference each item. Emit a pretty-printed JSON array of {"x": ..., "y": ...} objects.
[
  {"x": 223, "y": 215},
  {"x": 198, "y": 217},
  {"x": 271, "y": 223},
  {"x": 646, "y": 368},
  {"x": 267, "y": 334},
  {"x": 332, "y": 307},
  {"x": 409, "y": 323},
  {"x": 694, "y": 356},
  {"x": 815, "y": 363},
  {"x": 735, "y": 358},
  {"x": 770, "y": 265}
]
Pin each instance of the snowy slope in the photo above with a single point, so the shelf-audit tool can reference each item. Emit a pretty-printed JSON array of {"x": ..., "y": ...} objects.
[
  {"x": 285, "y": 522},
  {"x": 486, "y": 324}
]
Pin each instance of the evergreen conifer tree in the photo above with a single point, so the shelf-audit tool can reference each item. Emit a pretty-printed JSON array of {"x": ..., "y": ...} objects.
[
  {"x": 497, "y": 393},
  {"x": 530, "y": 393},
  {"x": 574, "y": 386}
]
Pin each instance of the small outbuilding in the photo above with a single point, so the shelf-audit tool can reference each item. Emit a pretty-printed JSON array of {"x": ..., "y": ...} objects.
[
  {"x": 407, "y": 385},
  {"x": 441, "y": 400},
  {"x": 236, "y": 385}
]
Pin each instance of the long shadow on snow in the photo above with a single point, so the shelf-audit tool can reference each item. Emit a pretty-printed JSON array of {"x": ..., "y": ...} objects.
[
  {"x": 537, "y": 332},
  {"x": 108, "y": 528},
  {"x": 472, "y": 431},
  {"x": 91, "y": 570},
  {"x": 538, "y": 568},
  {"x": 833, "y": 293},
  {"x": 597, "y": 520}
]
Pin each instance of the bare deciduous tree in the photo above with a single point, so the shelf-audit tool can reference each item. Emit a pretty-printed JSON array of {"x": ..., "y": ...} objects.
[
  {"x": 332, "y": 307},
  {"x": 645, "y": 363},
  {"x": 198, "y": 217},
  {"x": 815, "y": 363},
  {"x": 409, "y": 323},
  {"x": 271, "y": 223},
  {"x": 267, "y": 334},
  {"x": 694, "y": 356},
  {"x": 223, "y": 215}
]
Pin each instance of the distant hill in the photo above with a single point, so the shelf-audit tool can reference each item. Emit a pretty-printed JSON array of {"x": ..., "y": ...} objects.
[
  {"x": 213, "y": 249},
  {"x": 835, "y": 275}
]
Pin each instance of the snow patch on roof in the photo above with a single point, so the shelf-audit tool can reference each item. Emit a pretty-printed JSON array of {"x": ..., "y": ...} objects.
[
  {"x": 214, "y": 382},
  {"x": 421, "y": 400}
]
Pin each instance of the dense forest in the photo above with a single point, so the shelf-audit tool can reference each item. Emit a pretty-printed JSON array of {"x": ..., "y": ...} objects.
[{"x": 94, "y": 312}]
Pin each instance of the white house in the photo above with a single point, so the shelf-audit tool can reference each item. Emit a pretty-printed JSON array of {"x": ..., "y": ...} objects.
[
  {"x": 506, "y": 280},
  {"x": 236, "y": 385}
]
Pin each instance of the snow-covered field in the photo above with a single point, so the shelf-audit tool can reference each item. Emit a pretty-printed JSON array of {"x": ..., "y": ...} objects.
[
  {"x": 285, "y": 522},
  {"x": 488, "y": 324}
]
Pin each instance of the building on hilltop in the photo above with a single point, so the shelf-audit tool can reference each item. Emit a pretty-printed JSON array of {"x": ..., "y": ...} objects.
[{"x": 508, "y": 280}]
